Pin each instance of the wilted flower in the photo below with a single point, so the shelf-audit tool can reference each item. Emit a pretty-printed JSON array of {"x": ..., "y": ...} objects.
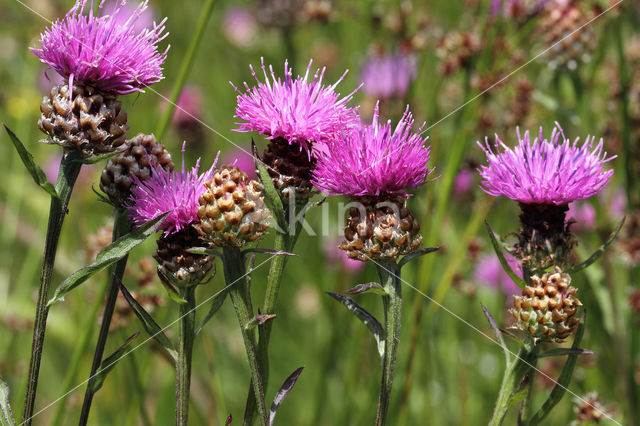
[
  {"x": 545, "y": 171},
  {"x": 374, "y": 160},
  {"x": 294, "y": 110},
  {"x": 105, "y": 51},
  {"x": 388, "y": 75},
  {"x": 166, "y": 190}
]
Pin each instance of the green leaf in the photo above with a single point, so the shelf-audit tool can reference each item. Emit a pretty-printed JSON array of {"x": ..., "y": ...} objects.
[
  {"x": 99, "y": 158},
  {"x": 6, "y": 415},
  {"x": 282, "y": 393},
  {"x": 110, "y": 254},
  {"x": 36, "y": 172},
  {"x": 363, "y": 315},
  {"x": 271, "y": 197},
  {"x": 598, "y": 253},
  {"x": 498, "y": 333},
  {"x": 216, "y": 304},
  {"x": 171, "y": 289},
  {"x": 205, "y": 251},
  {"x": 258, "y": 319},
  {"x": 96, "y": 381},
  {"x": 520, "y": 392},
  {"x": 148, "y": 323},
  {"x": 503, "y": 261},
  {"x": 372, "y": 287},
  {"x": 563, "y": 381},
  {"x": 565, "y": 351},
  {"x": 409, "y": 257}
]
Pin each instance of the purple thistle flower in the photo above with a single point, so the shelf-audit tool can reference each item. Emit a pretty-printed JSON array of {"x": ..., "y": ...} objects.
[
  {"x": 164, "y": 191},
  {"x": 545, "y": 171},
  {"x": 104, "y": 51},
  {"x": 388, "y": 76},
  {"x": 374, "y": 160},
  {"x": 296, "y": 110}
]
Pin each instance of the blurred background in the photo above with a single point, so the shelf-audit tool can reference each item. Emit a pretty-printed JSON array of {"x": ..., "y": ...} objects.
[{"x": 468, "y": 69}]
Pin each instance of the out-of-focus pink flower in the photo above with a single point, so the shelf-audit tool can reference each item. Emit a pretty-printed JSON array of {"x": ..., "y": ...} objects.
[
  {"x": 239, "y": 26},
  {"x": 388, "y": 75},
  {"x": 48, "y": 78},
  {"x": 242, "y": 159},
  {"x": 618, "y": 205},
  {"x": 339, "y": 258},
  {"x": 489, "y": 272},
  {"x": 52, "y": 167},
  {"x": 463, "y": 182},
  {"x": 189, "y": 107},
  {"x": 584, "y": 216}
]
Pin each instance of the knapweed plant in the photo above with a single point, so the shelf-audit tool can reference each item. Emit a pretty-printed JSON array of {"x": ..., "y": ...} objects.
[{"x": 543, "y": 175}]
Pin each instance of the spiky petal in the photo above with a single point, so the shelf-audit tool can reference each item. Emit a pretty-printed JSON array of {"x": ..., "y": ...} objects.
[
  {"x": 297, "y": 110},
  {"x": 545, "y": 171},
  {"x": 175, "y": 191},
  {"x": 374, "y": 160},
  {"x": 104, "y": 50}
]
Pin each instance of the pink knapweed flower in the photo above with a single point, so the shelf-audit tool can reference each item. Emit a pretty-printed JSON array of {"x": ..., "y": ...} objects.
[
  {"x": 545, "y": 171},
  {"x": 463, "y": 182},
  {"x": 239, "y": 25},
  {"x": 488, "y": 272},
  {"x": 104, "y": 50},
  {"x": 175, "y": 191},
  {"x": 583, "y": 216},
  {"x": 296, "y": 110},
  {"x": 388, "y": 75},
  {"x": 374, "y": 159},
  {"x": 188, "y": 107},
  {"x": 242, "y": 159}
]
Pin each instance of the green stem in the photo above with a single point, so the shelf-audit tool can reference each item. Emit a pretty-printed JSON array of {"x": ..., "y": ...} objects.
[
  {"x": 69, "y": 168},
  {"x": 234, "y": 273},
  {"x": 185, "y": 350},
  {"x": 389, "y": 273},
  {"x": 187, "y": 62},
  {"x": 78, "y": 352},
  {"x": 515, "y": 371},
  {"x": 121, "y": 226}
]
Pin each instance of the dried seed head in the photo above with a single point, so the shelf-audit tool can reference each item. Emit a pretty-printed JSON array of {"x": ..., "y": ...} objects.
[
  {"x": 382, "y": 228},
  {"x": 135, "y": 160},
  {"x": 232, "y": 210},
  {"x": 547, "y": 308},
  {"x": 89, "y": 121}
]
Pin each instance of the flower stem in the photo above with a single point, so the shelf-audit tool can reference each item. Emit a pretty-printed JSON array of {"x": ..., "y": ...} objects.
[
  {"x": 185, "y": 350},
  {"x": 234, "y": 273},
  {"x": 69, "y": 168},
  {"x": 187, "y": 62},
  {"x": 515, "y": 371},
  {"x": 121, "y": 226},
  {"x": 389, "y": 273}
]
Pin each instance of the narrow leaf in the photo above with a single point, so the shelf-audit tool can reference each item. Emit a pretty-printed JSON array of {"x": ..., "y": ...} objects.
[
  {"x": 96, "y": 381},
  {"x": 520, "y": 392},
  {"x": 148, "y": 323},
  {"x": 409, "y": 257},
  {"x": 282, "y": 393},
  {"x": 274, "y": 203},
  {"x": 512, "y": 336},
  {"x": 563, "y": 381},
  {"x": 369, "y": 320},
  {"x": 565, "y": 351},
  {"x": 36, "y": 172},
  {"x": 216, "y": 304},
  {"x": 503, "y": 261},
  {"x": 110, "y": 254},
  {"x": 205, "y": 251},
  {"x": 172, "y": 291},
  {"x": 99, "y": 158},
  {"x": 259, "y": 319},
  {"x": 6, "y": 415},
  {"x": 598, "y": 253},
  {"x": 372, "y": 287},
  {"x": 497, "y": 332}
]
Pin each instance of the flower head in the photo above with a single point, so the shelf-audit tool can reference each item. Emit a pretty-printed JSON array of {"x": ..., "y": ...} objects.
[
  {"x": 165, "y": 190},
  {"x": 295, "y": 110},
  {"x": 105, "y": 50},
  {"x": 545, "y": 171},
  {"x": 388, "y": 75},
  {"x": 374, "y": 160}
]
